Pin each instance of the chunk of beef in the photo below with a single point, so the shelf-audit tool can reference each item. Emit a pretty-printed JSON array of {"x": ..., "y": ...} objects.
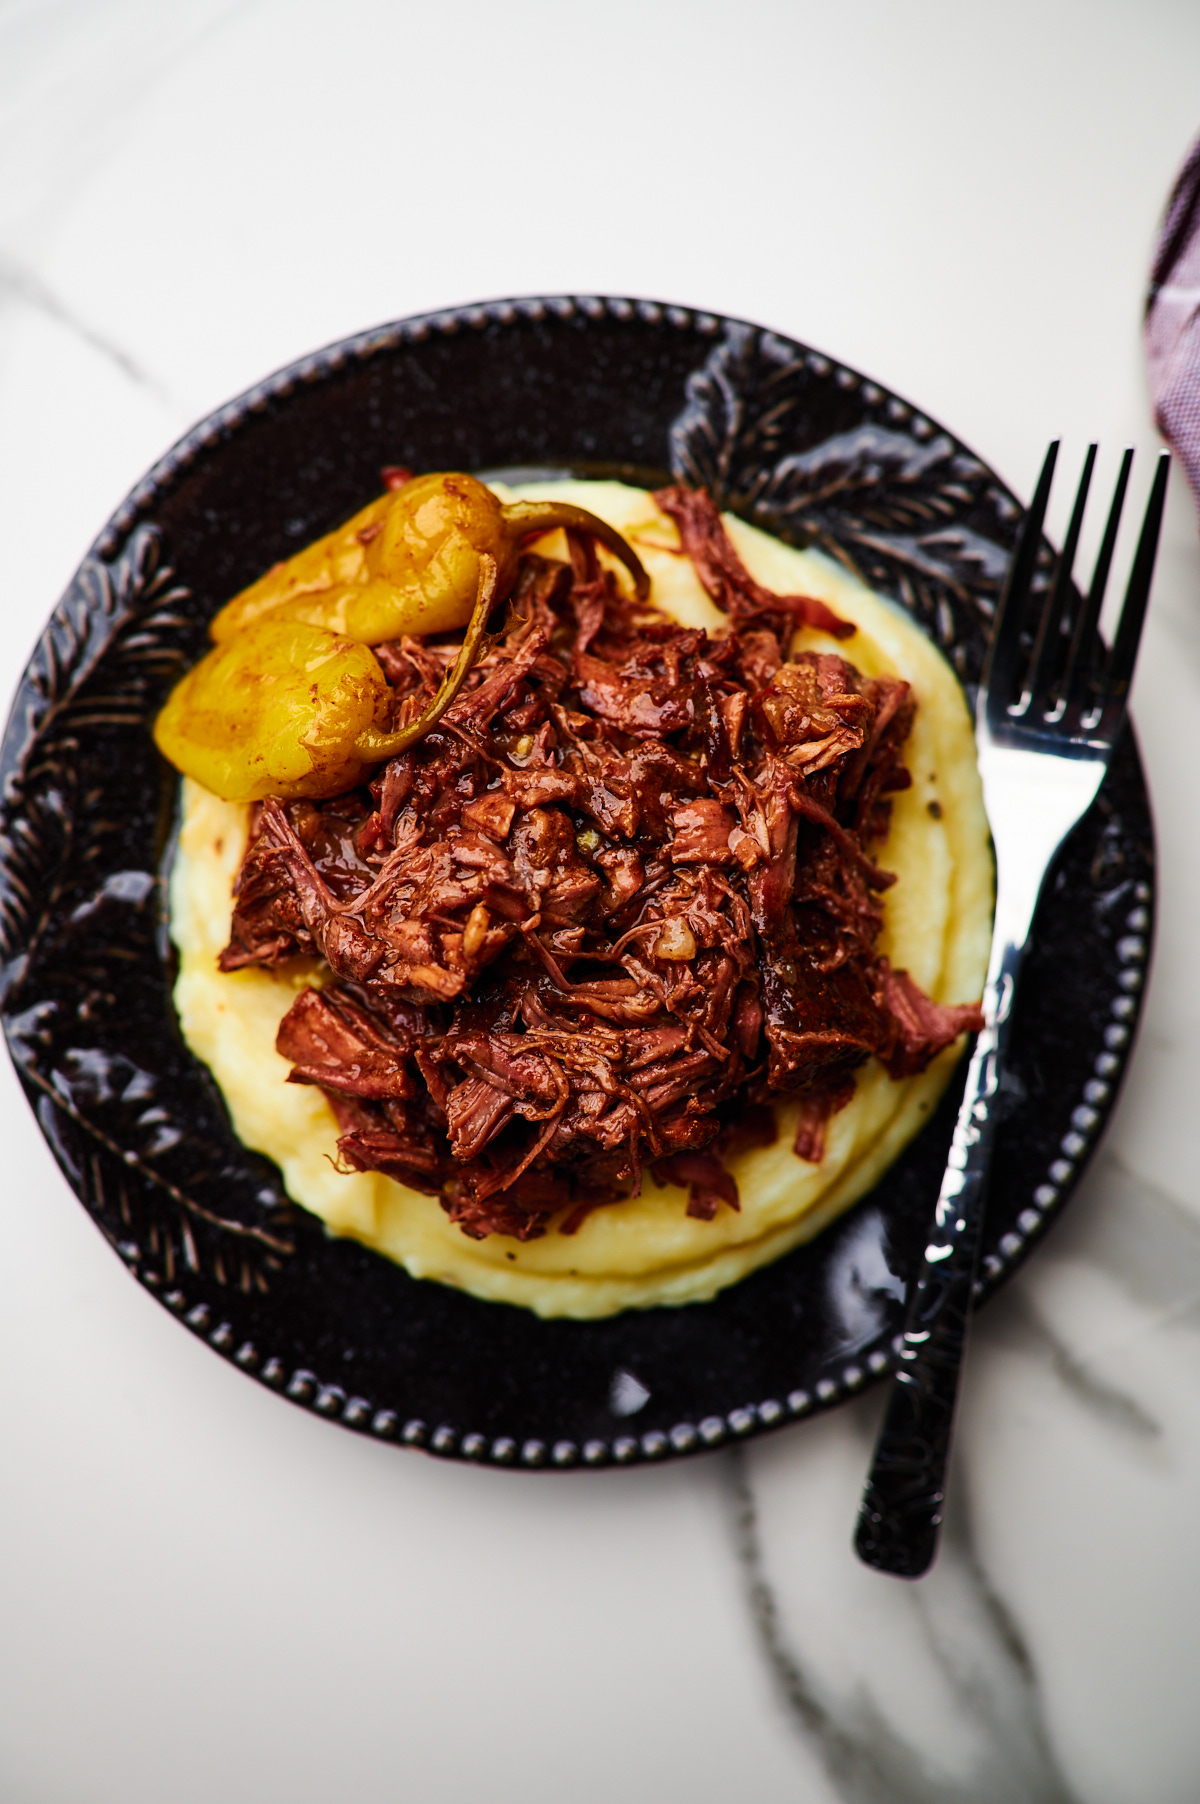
[{"x": 717, "y": 564}]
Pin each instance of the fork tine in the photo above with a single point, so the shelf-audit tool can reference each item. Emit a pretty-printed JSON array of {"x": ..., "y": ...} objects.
[
  {"x": 1082, "y": 639},
  {"x": 1001, "y": 662},
  {"x": 1119, "y": 674},
  {"x": 1047, "y": 642}
]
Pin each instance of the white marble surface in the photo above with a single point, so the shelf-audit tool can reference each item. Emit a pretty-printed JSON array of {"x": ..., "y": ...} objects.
[{"x": 205, "y": 1593}]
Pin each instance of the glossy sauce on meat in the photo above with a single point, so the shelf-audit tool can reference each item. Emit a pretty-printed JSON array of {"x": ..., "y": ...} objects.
[{"x": 620, "y": 900}]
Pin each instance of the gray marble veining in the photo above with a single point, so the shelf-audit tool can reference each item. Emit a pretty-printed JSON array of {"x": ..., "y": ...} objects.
[
  {"x": 21, "y": 287},
  {"x": 1086, "y": 1373},
  {"x": 975, "y": 1732}
]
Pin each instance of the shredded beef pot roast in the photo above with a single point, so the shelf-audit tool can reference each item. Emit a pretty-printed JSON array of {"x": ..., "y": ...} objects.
[{"x": 621, "y": 899}]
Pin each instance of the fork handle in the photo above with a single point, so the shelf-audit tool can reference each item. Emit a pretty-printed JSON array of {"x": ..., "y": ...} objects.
[{"x": 901, "y": 1510}]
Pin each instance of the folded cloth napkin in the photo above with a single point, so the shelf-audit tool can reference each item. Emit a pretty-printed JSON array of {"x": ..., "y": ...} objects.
[{"x": 1173, "y": 321}]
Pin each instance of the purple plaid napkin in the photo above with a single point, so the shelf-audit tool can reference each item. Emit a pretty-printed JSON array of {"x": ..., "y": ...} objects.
[{"x": 1173, "y": 321}]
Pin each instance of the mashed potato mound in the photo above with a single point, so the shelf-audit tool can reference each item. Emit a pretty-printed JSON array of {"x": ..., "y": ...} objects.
[{"x": 645, "y": 1250}]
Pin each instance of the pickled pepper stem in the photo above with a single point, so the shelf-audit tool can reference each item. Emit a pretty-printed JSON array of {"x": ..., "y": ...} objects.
[
  {"x": 524, "y": 518},
  {"x": 376, "y": 745}
]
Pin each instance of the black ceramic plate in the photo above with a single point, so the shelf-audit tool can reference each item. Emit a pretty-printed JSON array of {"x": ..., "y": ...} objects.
[{"x": 785, "y": 437}]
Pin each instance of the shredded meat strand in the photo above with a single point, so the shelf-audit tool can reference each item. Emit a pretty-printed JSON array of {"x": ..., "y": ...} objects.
[{"x": 615, "y": 906}]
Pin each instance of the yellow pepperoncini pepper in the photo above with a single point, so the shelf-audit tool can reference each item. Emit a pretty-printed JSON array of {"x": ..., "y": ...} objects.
[
  {"x": 275, "y": 711},
  {"x": 409, "y": 563},
  {"x": 292, "y": 702}
]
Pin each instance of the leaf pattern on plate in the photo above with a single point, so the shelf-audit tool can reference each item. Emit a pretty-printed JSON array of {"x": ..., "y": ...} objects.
[
  {"x": 103, "y": 657},
  {"x": 75, "y": 918},
  {"x": 811, "y": 451}
]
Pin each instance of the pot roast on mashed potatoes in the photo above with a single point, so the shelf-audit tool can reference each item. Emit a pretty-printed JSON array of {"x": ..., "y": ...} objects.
[{"x": 644, "y": 961}]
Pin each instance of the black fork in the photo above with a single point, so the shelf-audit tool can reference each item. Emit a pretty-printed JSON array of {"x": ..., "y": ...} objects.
[{"x": 1049, "y": 711}]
